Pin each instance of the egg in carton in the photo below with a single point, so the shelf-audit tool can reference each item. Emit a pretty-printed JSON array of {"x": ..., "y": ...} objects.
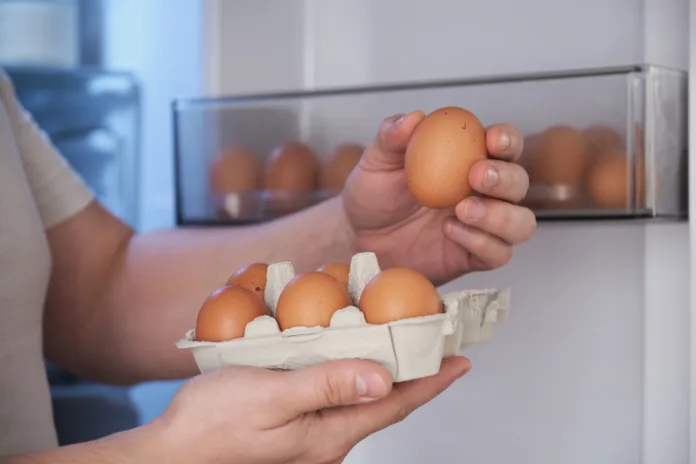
[{"x": 408, "y": 348}]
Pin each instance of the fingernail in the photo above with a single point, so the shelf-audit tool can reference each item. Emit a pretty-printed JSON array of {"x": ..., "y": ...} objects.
[
  {"x": 463, "y": 372},
  {"x": 474, "y": 208},
  {"x": 504, "y": 141},
  {"x": 370, "y": 385},
  {"x": 399, "y": 118},
  {"x": 490, "y": 179}
]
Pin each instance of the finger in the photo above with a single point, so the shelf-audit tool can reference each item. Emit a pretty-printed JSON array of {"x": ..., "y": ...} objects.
[
  {"x": 513, "y": 224},
  {"x": 490, "y": 252},
  {"x": 334, "y": 383},
  {"x": 390, "y": 145},
  {"x": 504, "y": 141},
  {"x": 357, "y": 422},
  {"x": 499, "y": 179}
]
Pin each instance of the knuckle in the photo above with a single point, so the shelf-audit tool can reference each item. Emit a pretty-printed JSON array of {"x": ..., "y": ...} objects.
[
  {"x": 401, "y": 413},
  {"x": 479, "y": 240},
  {"x": 498, "y": 254},
  {"x": 335, "y": 391},
  {"x": 508, "y": 221},
  {"x": 523, "y": 181},
  {"x": 501, "y": 258},
  {"x": 332, "y": 451},
  {"x": 505, "y": 256},
  {"x": 343, "y": 448},
  {"x": 518, "y": 182},
  {"x": 531, "y": 224},
  {"x": 328, "y": 456}
]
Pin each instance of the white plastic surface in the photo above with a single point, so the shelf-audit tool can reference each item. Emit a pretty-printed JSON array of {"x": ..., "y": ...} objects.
[{"x": 409, "y": 348}]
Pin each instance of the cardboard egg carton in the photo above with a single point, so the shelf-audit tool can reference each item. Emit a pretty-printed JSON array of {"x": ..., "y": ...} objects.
[{"x": 408, "y": 348}]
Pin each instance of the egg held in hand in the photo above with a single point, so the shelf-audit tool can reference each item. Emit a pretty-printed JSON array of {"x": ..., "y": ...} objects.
[
  {"x": 339, "y": 271},
  {"x": 251, "y": 277},
  {"x": 226, "y": 313},
  {"x": 310, "y": 300},
  {"x": 440, "y": 154},
  {"x": 398, "y": 293}
]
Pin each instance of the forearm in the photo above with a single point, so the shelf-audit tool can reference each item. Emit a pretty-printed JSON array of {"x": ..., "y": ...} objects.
[
  {"x": 141, "y": 445},
  {"x": 163, "y": 278}
]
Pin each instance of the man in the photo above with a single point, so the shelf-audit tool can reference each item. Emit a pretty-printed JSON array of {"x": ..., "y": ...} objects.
[{"x": 80, "y": 288}]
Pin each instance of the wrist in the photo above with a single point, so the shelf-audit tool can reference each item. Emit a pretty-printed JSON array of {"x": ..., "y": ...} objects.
[{"x": 152, "y": 442}]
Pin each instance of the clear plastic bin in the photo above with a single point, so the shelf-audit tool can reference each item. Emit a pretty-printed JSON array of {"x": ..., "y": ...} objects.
[{"x": 600, "y": 143}]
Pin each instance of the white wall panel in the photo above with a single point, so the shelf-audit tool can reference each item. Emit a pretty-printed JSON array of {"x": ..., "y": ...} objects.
[{"x": 592, "y": 364}]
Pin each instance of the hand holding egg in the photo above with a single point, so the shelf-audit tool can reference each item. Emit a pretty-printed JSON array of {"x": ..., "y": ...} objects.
[{"x": 438, "y": 194}]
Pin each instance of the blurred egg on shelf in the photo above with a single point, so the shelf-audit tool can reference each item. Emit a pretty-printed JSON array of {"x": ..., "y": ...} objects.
[
  {"x": 338, "y": 271},
  {"x": 233, "y": 170},
  {"x": 562, "y": 156},
  {"x": 252, "y": 277},
  {"x": 235, "y": 178},
  {"x": 292, "y": 166},
  {"x": 291, "y": 176},
  {"x": 530, "y": 154},
  {"x": 336, "y": 170},
  {"x": 226, "y": 313},
  {"x": 440, "y": 154},
  {"x": 544, "y": 197},
  {"x": 610, "y": 178},
  {"x": 310, "y": 300},
  {"x": 398, "y": 293},
  {"x": 602, "y": 139}
]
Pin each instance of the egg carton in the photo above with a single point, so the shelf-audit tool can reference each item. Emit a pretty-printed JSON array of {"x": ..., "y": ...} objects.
[{"x": 409, "y": 348}]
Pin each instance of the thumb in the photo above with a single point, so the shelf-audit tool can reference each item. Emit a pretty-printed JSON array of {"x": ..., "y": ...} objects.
[
  {"x": 334, "y": 383},
  {"x": 394, "y": 133}
]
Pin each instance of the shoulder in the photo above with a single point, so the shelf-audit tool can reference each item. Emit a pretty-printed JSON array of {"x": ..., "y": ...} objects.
[
  {"x": 7, "y": 94},
  {"x": 6, "y": 86}
]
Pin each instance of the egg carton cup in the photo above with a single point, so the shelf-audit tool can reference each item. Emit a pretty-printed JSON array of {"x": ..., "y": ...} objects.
[{"x": 409, "y": 348}]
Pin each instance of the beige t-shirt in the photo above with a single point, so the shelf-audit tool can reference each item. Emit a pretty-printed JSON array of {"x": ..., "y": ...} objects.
[{"x": 38, "y": 190}]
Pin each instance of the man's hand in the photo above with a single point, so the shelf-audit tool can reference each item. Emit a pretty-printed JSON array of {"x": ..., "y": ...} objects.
[
  {"x": 309, "y": 416},
  {"x": 478, "y": 234}
]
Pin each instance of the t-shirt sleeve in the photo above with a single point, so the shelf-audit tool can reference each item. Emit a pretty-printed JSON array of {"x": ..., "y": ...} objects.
[{"x": 59, "y": 192}]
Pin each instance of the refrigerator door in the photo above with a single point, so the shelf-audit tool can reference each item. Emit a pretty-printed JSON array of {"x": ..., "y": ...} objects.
[{"x": 93, "y": 119}]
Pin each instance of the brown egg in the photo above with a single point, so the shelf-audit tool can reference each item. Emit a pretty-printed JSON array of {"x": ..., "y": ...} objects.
[
  {"x": 440, "y": 154},
  {"x": 335, "y": 172},
  {"x": 235, "y": 170},
  {"x": 601, "y": 139},
  {"x": 609, "y": 180},
  {"x": 226, "y": 313},
  {"x": 251, "y": 277},
  {"x": 398, "y": 293},
  {"x": 310, "y": 299},
  {"x": 562, "y": 158},
  {"x": 292, "y": 167},
  {"x": 338, "y": 271}
]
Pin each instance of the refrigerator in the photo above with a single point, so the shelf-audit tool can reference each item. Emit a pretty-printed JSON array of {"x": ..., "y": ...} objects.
[{"x": 594, "y": 361}]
